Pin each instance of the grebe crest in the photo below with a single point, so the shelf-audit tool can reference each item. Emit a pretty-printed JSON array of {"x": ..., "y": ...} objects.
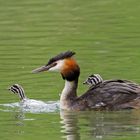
[{"x": 93, "y": 80}]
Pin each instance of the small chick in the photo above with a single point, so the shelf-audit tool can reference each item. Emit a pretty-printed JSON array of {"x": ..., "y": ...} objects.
[
  {"x": 93, "y": 80},
  {"x": 18, "y": 90},
  {"x": 31, "y": 105}
]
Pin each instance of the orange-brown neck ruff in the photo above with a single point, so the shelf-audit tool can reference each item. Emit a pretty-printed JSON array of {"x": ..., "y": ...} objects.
[{"x": 71, "y": 70}]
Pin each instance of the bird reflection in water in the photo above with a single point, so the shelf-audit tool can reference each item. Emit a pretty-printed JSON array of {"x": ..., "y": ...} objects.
[
  {"x": 69, "y": 123},
  {"x": 76, "y": 125},
  {"x": 99, "y": 125}
]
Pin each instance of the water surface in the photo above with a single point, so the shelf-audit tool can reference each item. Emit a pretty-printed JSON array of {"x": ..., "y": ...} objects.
[{"x": 104, "y": 34}]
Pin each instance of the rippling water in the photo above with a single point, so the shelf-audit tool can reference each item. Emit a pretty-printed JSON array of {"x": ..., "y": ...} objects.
[
  {"x": 32, "y": 106},
  {"x": 100, "y": 125},
  {"x": 104, "y": 34}
]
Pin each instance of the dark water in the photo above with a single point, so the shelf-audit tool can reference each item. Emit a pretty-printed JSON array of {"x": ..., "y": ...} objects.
[{"x": 104, "y": 34}]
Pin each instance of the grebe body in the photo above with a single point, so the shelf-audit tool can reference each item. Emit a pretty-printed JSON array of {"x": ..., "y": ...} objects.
[{"x": 108, "y": 95}]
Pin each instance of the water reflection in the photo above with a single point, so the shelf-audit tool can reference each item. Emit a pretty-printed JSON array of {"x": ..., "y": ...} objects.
[
  {"x": 99, "y": 125},
  {"x": 70, "y": 125}
]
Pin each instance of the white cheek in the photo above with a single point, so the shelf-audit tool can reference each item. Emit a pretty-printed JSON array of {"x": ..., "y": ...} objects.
[
  {"x": 55, "y": 69},
  {"x": 58, "y": 67}
]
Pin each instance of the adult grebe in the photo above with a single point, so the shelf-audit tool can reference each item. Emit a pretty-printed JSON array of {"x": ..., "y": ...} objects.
[
  {"x": 32, "y": 105},
  {"x": 108, "y": 95}
]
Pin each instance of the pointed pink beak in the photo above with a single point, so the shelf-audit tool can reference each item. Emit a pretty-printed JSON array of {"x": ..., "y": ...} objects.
[{"x": 43, "y": 68}]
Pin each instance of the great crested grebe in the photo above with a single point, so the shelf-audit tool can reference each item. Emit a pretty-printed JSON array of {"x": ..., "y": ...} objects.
[
  {"x": 108, "y": 95},
  {"x": 93, "y": 80},
  {"x": 31, "y": 104}
]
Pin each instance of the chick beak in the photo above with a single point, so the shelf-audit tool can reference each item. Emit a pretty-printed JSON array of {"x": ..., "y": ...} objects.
[
  {"x": 9, "y": 88},
  {"x": 43, "y": 68},
  {"x": 84, "y": 82}
]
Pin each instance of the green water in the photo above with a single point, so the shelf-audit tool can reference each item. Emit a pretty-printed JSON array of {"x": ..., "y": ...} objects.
[{"x": 104, "y": 34}]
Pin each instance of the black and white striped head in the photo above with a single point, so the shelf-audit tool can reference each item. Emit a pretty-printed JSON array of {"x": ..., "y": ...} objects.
[
  {"x": 18, "y": 90},
  {"x": 93, "y": 80}
]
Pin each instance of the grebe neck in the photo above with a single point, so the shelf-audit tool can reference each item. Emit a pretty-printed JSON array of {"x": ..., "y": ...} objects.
[{"x": 69, "y": 94}]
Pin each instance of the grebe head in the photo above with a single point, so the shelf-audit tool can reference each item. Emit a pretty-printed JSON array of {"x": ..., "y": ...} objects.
[
  {"x": 63, "y": 63},
  {"x": 18, "y": 90},
  {"x": 93, "y": 80}
]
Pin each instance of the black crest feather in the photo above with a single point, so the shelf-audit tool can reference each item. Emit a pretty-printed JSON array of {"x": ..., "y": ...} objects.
[{"x": 61, "y": 56}]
